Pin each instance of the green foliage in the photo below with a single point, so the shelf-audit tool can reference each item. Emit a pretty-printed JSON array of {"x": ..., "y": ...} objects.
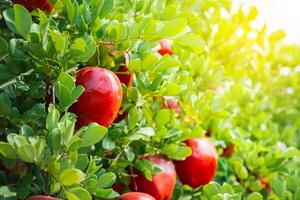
[{"x": 231, "y": 79}]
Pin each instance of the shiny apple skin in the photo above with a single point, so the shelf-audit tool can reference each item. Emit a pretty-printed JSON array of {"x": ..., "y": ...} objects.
[
  {"x": 165, "y": 47},
  {"x": 42, "y": 197},
  {"x": 135, "y": 196},
  {"x": 162, "y": 185},
  {"x": 198, "y": 169},
  {"x": 34, "y": 4},
  {"x": 102, "y": 98}
]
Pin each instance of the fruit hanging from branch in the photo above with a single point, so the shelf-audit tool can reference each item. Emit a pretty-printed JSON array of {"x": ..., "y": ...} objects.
[
  {"x": 165, "y": 47},
  {"x": 163, "y": 183},
  {"x": 198, "y": 169},
  {"x": 101, "y": 100},
  {"x": 35, "y": 4}
]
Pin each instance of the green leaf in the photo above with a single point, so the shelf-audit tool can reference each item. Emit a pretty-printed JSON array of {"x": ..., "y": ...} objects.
[
  {"x": 162, "y": 117},
  {"x": 150, "y": 28},
  {"x": 70, "y": 10},
  {"x": 52, "y": 117},
  {"x": 177, "y": 152},
  {"x": 93, "y": 134},
  {"x": 135, "y": 65},
  {"x": 23, "y": 20},
  {"x": 80, "y": 193},
  {"x": 7, "y": 150},
  {"x": 173, "y": 28},
  {"x": 278, "y": 186},
  {"x": 226, "y": 188},
  {"x": 71, "y": 176},
  {"x": 59, "y": 42},
  {"x": 106, "y": 8},
  {"x": 191, "y": 42},
  {"x": 26, "y": 153},
  {"x": 106, "y": 180},
  {"x": 5, "y": 105},
  {"x": 3, "y": 48},
  {"x": 142, "y": 133},
  {"x": 255, "y": 196},
  {"x": 149, "y": 62},
  {"x": 211, "y": 189},
  {"x": 27, "y": 131}
]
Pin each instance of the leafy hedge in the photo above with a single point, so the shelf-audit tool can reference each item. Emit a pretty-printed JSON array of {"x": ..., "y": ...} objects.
[{"x": 234, "y": 83}]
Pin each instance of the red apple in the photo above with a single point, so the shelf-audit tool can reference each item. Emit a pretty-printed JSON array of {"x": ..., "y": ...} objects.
[
  {"x": 102, "y": 98},
  {"x": 126, "y": 78},
  {"x": 208, "y": 133},
  {"x": 228, "y": 151},
  {"x": 265, "y": 182},
  {"x": 20, "y": 170},
  {"x": 42, "y": 197},
  {"x": 35, "y": 4},
  {"x": 162, "y": 185},
  {"x": 135, "y": 196},
  {"x": 198, "y": 169},
  {"x": 171, "y": 103},
  {"x": 165, "y": 47},
  {"x": 124, "y": 75}
]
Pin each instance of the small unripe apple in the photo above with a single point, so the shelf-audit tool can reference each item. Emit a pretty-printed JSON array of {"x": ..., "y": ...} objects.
[
  {"x": 200, "y": 168},
  {"x": 35, "y": 4},
  {"x": 165, "y": 47},
  {"x": 135, "y": 196}
]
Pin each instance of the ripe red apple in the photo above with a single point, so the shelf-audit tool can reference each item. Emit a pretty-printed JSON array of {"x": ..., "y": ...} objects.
[
  {"x": 171, "y": 103},
  {"x": 124, "y": 75},
  {"x": 102, "y": 98},
  {"x": 162, "y": 185},
  {"x": 35, "y": 4},
  {"x": 265, "y": 182},
  {"x": 198, "y": 169},
  {"x": 228, "y": 151},
  {"x": 42, "y": 197},
  {"x": 136, "y": 196},
  {"x": 208, "y": 133},
  {"x": 165, "y": 47}
]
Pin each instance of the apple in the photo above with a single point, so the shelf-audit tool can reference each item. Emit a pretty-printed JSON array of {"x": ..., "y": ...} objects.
[
  {"x": 119, "y": 187},
  {"x": 228, "y": 151},
  {"x": 124, "y": 75},
  {"x": 208, "y": 133},
  {"x": 198, "y": 169},
  {"x": 162, "y": 185},
  {"x": 18, "y": 171},
  {"x": 136, "y": 196},
  {"x": 171, "y": 103},
  {"x": 35, "y": 4},
  {"x": 42, "y": 197},
  {"x": 265, "y": 182},
  {"x": 165, "y": 47},
  {"x": 102, "y": 98}
]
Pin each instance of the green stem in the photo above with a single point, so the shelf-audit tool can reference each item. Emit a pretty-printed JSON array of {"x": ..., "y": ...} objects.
[{"x": 14, "y": 80}]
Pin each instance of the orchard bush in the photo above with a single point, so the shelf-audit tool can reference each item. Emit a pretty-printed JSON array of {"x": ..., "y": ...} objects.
[{"x": 126, "y": 99}]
